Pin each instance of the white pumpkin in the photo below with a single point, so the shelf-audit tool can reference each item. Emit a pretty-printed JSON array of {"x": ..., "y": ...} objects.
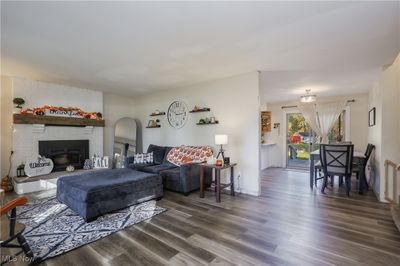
[{"x": 70, "y": 168}]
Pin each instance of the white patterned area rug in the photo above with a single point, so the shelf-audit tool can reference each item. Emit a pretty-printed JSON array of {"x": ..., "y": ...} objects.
[{"x": 52, "y": 228}]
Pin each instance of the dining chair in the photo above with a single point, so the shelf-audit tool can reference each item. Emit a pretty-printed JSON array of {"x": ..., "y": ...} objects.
[
  {"x": 318, "y": 166},
  {"x": 12, "y": 231},
  {"x": 317, "y": 172},
  {"x": 356, "y": 167},
  {"x": 337, "y": 160}
]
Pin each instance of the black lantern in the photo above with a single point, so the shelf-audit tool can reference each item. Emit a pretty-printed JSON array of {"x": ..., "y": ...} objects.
[{"x": 20, "y": 170}]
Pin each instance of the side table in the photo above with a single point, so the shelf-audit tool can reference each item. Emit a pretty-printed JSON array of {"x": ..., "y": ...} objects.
[{"x": 218, "y": 186}]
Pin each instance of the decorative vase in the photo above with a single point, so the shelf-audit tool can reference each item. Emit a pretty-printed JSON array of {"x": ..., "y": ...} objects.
[{"x": 17, "y": 110}]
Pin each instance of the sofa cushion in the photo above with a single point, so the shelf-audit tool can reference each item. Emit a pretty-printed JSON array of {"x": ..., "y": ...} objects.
[
  {"x": 158, "y": 153},
  {"x": 157, "y": 168},
  {"x": 138, "y": 166}
]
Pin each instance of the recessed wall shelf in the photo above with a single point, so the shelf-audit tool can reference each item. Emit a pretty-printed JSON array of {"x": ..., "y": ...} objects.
[
  {"x": 203, "y": 124},
  {"x": 200, "y": 110},
  {"x": 159, "y": 114},
  {"x": 154, "y": 126},
  {"x": 56, "y": 120}
]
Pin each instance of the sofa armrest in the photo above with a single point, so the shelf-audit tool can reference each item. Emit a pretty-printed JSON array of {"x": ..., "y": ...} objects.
[{"x": 190, "y": 176}]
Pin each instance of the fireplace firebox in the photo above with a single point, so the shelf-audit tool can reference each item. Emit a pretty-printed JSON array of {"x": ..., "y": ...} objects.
[{"x": 65, "y": 152}]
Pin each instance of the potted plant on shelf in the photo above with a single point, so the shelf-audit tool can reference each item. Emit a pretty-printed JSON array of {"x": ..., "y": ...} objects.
[{"x": 18, "y": 104}]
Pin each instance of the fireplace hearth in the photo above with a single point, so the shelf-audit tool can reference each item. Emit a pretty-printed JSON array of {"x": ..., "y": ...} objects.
[{"x": 65, "y": 152}]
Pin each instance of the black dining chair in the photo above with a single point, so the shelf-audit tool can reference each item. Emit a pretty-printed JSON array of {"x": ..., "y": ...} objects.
[
  {"x": 356, "y": 169},
  {"x": 318, "y": 167},
  {"x": 337, "y": 160}
]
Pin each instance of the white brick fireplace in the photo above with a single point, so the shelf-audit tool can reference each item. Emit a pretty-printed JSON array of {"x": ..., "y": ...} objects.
[{"x": 25, "y": 138}]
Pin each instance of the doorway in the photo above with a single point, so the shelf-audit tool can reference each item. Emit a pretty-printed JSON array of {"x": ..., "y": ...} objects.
[{"x": 301, "y": 140}]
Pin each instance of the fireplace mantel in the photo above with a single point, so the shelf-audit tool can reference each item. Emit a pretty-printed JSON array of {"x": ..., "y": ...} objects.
[{"x": 56, "y": 121}]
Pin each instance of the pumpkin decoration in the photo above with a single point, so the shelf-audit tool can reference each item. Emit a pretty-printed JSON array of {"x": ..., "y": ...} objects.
[
  {"x": 6, "y": 182},
  {"x": 70, "y": 168},
  {"x": 69, "y": 111}
]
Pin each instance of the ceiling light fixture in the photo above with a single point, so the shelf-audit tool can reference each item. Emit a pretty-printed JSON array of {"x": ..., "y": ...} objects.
[{"x": 308, "y": 98}]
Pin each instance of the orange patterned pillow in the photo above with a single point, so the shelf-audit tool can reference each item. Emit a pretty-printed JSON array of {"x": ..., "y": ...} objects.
[{"x": 187, "y": 154}]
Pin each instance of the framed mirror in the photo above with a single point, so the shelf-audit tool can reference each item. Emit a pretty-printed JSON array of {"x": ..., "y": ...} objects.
[{"x": 125, "y": 140}]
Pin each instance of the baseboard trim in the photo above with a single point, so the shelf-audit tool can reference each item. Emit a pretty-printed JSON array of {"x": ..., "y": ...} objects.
[{"x": 249, "y": 192}]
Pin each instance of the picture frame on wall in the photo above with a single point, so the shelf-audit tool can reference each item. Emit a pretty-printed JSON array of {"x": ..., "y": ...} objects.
[{"x": 372, "y": 117}]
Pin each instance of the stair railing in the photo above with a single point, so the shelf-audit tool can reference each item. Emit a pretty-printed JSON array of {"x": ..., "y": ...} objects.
[{"x": 395, "y": 168}]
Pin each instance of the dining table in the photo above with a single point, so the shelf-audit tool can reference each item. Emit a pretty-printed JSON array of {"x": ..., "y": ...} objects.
[{"x": 358, "y": 159}]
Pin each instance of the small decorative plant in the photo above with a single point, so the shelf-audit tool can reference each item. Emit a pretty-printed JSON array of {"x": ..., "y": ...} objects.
[{"x": 19, "y": 102}]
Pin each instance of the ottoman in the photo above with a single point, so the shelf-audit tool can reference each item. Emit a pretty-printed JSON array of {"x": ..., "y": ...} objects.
[{"x": 95, "y": 193}]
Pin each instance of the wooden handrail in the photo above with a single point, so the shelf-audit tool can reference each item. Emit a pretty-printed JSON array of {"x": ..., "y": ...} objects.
[{"x": 396, "y": 167}]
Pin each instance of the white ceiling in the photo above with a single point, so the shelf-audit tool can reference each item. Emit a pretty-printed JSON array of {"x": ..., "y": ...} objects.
[{"x": 134, "y": 48}]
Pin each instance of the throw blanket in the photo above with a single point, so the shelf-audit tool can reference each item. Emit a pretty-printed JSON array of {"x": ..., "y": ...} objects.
[{"x": 188, "y": 154}]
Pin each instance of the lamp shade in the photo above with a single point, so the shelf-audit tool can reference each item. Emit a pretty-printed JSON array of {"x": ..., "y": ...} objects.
[{"x": 221, "y": 139}]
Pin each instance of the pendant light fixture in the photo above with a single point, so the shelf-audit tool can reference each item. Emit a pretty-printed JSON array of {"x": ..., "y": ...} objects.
[{"x": 308, "y": 97}]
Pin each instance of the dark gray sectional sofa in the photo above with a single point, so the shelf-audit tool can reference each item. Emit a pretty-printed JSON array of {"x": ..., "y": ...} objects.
[
  {"x": 94, "y": 193},
  {"x": 184, "y": 179}
]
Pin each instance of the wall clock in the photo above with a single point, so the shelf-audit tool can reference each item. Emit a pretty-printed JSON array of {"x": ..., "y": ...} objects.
[{"x": 177, "y": 114}]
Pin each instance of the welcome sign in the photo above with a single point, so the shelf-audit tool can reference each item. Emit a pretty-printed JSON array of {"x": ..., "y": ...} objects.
[{"x": 38, "y": 166}]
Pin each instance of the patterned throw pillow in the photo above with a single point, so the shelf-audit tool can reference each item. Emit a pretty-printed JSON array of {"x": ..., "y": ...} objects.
[
  {"x": 188, "y": 154},
  {"x": 143, "y": 158}
]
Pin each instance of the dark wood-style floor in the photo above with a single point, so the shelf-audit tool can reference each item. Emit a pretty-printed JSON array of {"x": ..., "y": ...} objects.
[{"x": 287, "y": 225}]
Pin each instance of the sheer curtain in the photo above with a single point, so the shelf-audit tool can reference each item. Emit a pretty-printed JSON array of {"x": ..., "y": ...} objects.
[
  {"x": 322, "y": 116},
  {"x": 310, "y": 115}
]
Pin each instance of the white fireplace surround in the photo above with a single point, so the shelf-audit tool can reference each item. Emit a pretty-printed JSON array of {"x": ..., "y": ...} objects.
[{"x": 25, "y": 138}]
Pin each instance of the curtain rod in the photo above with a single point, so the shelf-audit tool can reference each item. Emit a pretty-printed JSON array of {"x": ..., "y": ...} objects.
[{"x": 294, "y": 106}]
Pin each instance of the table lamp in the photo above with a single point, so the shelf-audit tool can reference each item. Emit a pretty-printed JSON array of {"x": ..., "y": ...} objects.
[{"x": 221, "y": 140}]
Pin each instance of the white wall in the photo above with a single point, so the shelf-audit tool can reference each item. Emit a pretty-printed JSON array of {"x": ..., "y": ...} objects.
[
  {"x": 233, "y": 101},
  {"x": 375, "y": 138},
  {"x": 358, "y": 127},
  {"x": 5, "y": 123},
  {"x": 385, "y": 97},
  {"x": 115, "y": 108}
]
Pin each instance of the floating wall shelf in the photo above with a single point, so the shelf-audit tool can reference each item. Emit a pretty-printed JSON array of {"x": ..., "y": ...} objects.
[
  {"x": 200, "y": 110},
  {"x": 203, "y": 124},
  {"x": 154, "y": 114}
]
